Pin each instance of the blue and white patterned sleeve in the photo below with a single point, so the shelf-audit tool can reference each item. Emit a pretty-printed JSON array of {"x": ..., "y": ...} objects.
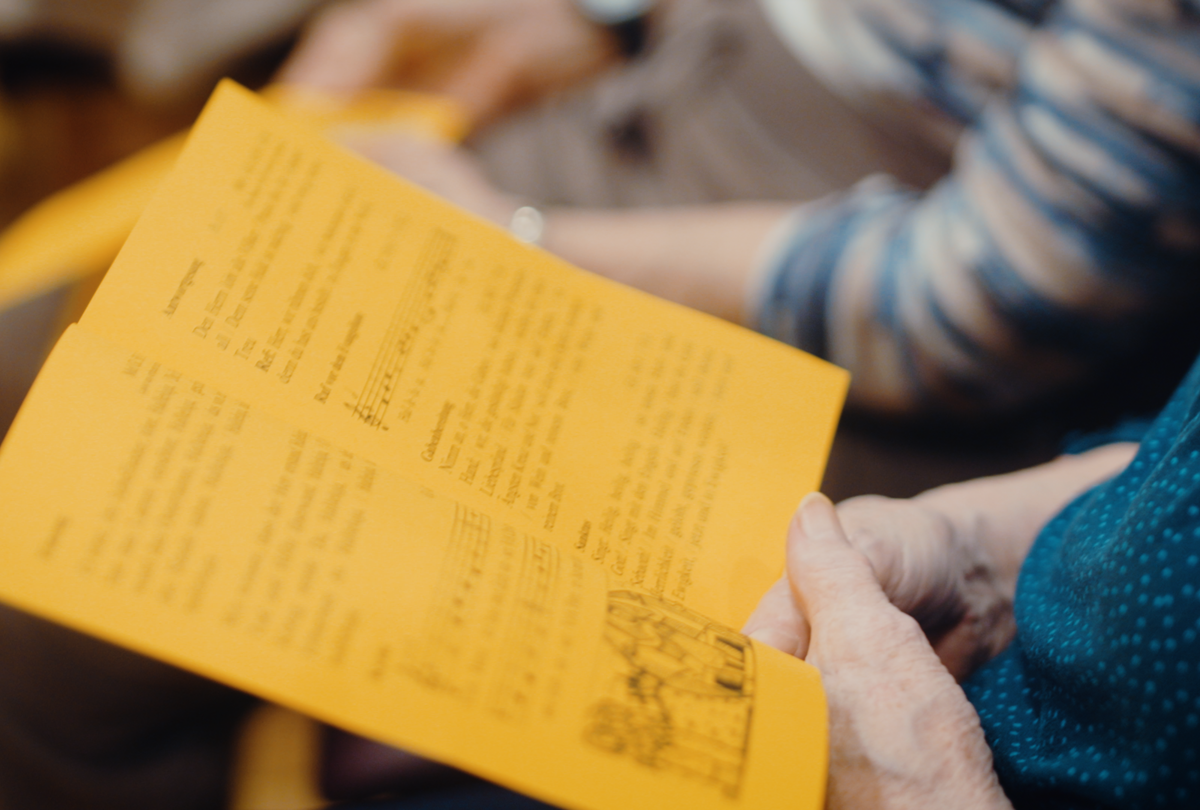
[{"x": 1068, "y": 229}]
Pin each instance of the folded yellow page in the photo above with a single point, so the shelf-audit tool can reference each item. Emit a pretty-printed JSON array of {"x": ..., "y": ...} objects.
[{"x": 325, "y": 438}]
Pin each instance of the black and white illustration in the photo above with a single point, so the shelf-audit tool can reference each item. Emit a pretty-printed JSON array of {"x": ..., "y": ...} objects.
[{"x": 681, "y": 697}]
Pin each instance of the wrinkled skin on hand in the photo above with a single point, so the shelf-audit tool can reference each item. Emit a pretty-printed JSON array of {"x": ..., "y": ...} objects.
[
  {"x": 902, "y": 733},
  {"x": 945, "y": 581},
  {"x": 950, "y": 556}
]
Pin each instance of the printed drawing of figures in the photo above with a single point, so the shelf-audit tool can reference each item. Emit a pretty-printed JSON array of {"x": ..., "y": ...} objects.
[{"x": 682, "y": 693}]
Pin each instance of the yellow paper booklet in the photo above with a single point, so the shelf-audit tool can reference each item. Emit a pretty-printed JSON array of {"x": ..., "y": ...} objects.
[{"x": 325, "y": 438}]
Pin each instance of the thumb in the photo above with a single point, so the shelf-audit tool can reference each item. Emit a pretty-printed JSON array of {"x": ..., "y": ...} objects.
[{"x": 827, "y": 573}]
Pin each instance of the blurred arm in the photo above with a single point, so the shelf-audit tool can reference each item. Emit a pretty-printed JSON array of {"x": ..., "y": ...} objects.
[
  {"x": 1066, "y": 232},
  {"x": 492, "y": 56},
  {"x": 704, "y": 257}
]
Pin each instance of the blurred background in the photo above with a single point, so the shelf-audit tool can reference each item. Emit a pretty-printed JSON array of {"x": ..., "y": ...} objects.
[{"x": 85, "y": 84}]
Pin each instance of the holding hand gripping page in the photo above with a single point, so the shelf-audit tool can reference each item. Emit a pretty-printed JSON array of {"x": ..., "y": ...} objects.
[{"x": 323, "y": 437}]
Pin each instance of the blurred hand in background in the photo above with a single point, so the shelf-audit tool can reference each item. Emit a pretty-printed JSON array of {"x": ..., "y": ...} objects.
[{"x": 492, "y": 56}]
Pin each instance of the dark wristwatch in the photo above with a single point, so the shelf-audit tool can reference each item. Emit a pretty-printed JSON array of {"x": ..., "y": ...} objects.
[{"x": 625, "y": 19}]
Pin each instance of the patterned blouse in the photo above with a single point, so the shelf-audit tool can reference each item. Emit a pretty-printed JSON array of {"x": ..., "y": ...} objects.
[
  {"x": 1067, "y": 231},
  {"x": 1097, "y": 701}
]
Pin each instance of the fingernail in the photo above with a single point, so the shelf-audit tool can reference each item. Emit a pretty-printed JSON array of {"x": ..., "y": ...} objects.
[{"x": 816, "y": 512}]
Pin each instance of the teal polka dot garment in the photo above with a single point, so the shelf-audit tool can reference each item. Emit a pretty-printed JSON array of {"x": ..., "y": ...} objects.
[{"x": 1097, "y": 701}]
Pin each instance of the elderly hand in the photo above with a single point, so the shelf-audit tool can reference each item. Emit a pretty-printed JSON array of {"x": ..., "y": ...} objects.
[
  {"x": 927, "y": 568},
  {"x": 490, "y": 55},
  {"x": 902, "y": 733},
  {"x": 950, "y": 556}
]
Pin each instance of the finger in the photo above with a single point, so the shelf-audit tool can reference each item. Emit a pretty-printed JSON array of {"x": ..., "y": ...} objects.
[
  {"x": 983, "y": 634},
  {"x": 827, "y": 573},
  {"x": 777, "y": 621},
  {"x": 485, "y": 83},
  {"x": 346, "y": 49}
]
